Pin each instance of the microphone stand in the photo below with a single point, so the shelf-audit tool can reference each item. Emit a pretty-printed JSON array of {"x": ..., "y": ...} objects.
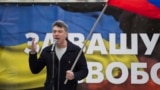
[
  {"x": 52, "y": 80},
  {"x": 53, "y": 61}
]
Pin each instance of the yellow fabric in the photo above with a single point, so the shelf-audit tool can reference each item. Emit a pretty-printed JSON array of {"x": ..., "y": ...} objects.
[{"x": 15, "y": 73}]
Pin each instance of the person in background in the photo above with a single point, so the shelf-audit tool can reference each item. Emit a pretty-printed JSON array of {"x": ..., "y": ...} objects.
[{"x": 64, "y": 57}]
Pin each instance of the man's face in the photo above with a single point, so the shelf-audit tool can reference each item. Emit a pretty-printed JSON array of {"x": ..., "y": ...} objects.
[{"x": 59, "y": 34}]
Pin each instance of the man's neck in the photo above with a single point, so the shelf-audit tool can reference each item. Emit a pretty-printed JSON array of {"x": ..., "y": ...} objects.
[{"x": 62, "y": 45}]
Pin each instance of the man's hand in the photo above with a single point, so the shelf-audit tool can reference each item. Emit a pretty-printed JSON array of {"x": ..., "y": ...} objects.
[
  {"x": 69, "y": 75},
  {"x": 33, "y": 46}
]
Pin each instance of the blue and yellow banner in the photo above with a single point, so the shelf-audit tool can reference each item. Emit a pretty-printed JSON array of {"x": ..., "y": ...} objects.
[{"x": 109, "y": 59}]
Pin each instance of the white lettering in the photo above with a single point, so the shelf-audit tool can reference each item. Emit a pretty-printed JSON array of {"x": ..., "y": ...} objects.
[
  {"x": 95, "y": 74},
  {"x": 149, "y": 44},
  {"x": 96, "y": 44},
  {"x": 76, "y": 38},
  {"x": 47, "y": 41},
  {"x": 123, "y": 44},
  {"x": 135, "y": 72},
  {"x": 30, "y": 36},
  {"x": 110, "y": 69},
  {"x": 154, "y": 72}
]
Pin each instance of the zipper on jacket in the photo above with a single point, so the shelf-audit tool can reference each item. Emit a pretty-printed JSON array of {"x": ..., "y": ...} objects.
[
  {"x": 53, "y": 77},
  {"x": 58, "y": 74}
]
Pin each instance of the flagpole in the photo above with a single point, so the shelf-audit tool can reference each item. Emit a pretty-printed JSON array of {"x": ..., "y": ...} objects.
[{"x": 89, "y": 35}]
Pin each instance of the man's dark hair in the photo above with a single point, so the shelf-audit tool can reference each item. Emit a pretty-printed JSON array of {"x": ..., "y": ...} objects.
[{"x": 61, "y": 24}]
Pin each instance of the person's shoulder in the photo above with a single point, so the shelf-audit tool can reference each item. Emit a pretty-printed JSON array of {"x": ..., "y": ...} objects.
[
  {"x": 73, "y": 46},
  {"x": 47, "y": 48}
]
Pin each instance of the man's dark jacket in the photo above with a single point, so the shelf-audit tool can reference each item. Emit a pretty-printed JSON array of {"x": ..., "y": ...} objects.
[{"x": 60, "y": 67}]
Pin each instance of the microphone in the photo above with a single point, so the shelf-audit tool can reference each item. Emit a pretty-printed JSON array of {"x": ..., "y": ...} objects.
[{"x": 53, "y": 44}]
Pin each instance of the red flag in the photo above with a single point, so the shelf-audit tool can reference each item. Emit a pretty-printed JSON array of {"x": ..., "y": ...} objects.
[{"x": 142, "y": 7}]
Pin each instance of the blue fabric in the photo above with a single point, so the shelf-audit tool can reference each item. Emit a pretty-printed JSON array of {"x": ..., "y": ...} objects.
[
  {"x": 155, "y": 2},
  {"x": 16, "y": 21}
]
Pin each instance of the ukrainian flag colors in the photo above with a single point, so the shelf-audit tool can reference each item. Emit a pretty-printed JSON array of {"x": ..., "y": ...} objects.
[{"x": 16, "y": 21}]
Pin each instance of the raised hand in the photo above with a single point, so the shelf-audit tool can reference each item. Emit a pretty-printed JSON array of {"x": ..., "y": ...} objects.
[{"x": 33, "y": 46}]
